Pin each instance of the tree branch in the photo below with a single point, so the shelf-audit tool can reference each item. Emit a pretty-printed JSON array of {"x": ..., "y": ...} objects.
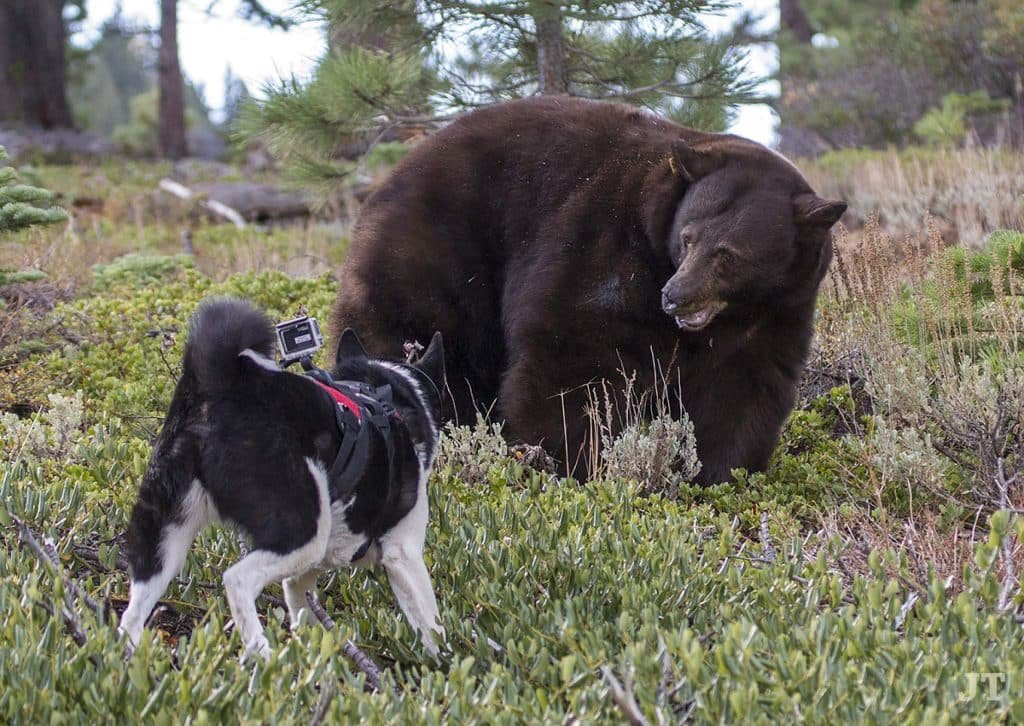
[
  {"x": 623, "y": 698},
  {"x": 767, "y": 549},
  {"x": 360, "y": 658}
]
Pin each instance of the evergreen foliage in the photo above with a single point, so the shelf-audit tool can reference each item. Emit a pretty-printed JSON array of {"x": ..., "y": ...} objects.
[
  {"x": 877, "y": 67},
  {"x": 398, "y": 64},
  {"x": 947, "y": 125},
  {"x": 24, "y": 205}
]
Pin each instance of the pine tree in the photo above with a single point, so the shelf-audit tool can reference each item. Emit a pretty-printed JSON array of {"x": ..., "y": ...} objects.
[
  {"x": 23, "y": 205},
  {"x": 409, "y": 62}
]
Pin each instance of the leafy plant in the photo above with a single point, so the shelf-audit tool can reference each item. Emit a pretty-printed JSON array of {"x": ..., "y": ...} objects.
[{"x": 948, "y": 124}]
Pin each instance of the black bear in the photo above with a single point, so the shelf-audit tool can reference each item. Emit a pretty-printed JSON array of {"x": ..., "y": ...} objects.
[{"x": 557, "y": 242}]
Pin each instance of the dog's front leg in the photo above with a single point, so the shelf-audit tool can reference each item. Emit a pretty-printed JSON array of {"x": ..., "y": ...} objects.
[
  {"x": 410, "y": 582},
  {"x": 295, "y": 589}
]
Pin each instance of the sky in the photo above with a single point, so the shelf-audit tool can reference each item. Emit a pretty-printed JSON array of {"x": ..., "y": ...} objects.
[{"x": 209, "y": 44}]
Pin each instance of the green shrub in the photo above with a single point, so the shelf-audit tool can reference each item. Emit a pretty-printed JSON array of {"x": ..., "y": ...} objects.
[
  {"x": 545, "y": 586},
  {"x": 24, "y": 205},
  {"x": 947, "y": 125},
  {"x": 135, "y": 270}
]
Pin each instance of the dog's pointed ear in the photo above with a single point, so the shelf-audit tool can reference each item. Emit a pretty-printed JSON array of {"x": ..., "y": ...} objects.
[
  {"x": 813, "y": 210},
  {"x": 692, "y": 162},
  {"x": 432, "y": 360},
  {"x": 349, "y": 347}
]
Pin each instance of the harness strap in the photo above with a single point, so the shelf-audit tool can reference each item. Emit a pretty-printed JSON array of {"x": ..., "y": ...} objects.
[
  {"x": 339, "y": 397},
  {"x": 361, "y": 408}
]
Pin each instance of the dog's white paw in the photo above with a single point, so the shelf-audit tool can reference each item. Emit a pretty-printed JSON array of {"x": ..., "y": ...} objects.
[
  {"x": 431, "y": 638},
  {"x": 258, "y": 648},
  {"x": 129, "y": 644},
  {"x": 300, "y": 619}
]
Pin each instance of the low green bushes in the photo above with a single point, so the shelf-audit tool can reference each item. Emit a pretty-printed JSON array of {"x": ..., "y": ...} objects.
[{"x": 753, "y": 601}]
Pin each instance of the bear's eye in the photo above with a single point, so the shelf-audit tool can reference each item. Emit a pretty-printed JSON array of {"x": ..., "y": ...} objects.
[
  {"x": 725, "y": 255},
  {"x": 686, "y": 238}
]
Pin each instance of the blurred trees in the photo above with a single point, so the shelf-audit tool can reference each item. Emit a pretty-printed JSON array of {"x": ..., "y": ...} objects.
[
  {"x": 115, "y": 69},
  {"x": 113, "y": 93},
  {"x": 33, "y": 61},
  {"x": 869, "y": 72},
  {"x": 399, "y": 64},
  {"x": 171, "y": 117}
]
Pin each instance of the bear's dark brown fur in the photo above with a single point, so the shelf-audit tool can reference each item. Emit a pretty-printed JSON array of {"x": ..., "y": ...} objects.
[{"x": 557, "y": 242}]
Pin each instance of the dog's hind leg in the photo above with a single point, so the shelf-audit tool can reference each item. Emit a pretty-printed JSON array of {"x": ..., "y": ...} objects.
[
  {"x": 245, "y": 580},
  {"x": 410, "y": 582},
  {"x": 158, "y": 558},
  {"x": 295, "y": 589}
]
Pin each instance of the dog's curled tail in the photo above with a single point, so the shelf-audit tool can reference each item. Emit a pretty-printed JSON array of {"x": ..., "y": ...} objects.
[{"x": 221, "y": 329}]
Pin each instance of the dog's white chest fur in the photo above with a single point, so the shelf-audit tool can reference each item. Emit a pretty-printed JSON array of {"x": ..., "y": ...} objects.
[{"x": 343, "y": 544}]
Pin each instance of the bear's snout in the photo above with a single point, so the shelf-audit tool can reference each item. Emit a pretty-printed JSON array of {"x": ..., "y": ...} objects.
[
  {"x": 678, "y": 293},
  {"x": 667, "y": 303}
]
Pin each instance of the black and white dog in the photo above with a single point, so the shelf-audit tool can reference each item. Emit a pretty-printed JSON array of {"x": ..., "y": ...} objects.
[{"x": 259, "y": 448}]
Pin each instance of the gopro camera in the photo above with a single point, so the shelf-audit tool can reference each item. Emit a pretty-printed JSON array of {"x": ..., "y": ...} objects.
[{"x": 298, "y": 338}]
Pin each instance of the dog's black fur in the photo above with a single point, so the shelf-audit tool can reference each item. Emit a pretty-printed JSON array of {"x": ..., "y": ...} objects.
[{"x": 251, "y": 436}]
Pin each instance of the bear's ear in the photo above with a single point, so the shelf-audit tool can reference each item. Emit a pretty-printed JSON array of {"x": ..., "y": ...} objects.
[
  {"x": 432, "y": 360},
  {"x": 813, "y": 210},
  {"x": 693, "y": 163},
  {"x": 349, "y": 347}
]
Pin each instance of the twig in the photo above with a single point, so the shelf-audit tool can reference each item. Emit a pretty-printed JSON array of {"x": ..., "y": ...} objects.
[
  {"x": 1009, "y": 575},
  {"x": 327, "y": 692},
  {"x": 90, "y": 556},
  {"x": 48, "y": 554},
  {"x": 72, "y": 620},
  {"x": 901, "y": 617},
  {"x": 623, "y": 698},
  {"x": 73, "y": 624},
  {"x": 360, "y": 658},
  {"x": 767, "y": 549}
]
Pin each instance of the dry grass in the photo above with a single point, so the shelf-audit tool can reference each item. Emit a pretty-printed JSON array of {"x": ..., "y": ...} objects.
[{"x": 967, "y": 193}]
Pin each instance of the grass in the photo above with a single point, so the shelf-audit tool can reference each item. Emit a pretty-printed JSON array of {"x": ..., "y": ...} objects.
[
  {"x": 870, "y": 574},
  {"x": 966, "y": 193}
]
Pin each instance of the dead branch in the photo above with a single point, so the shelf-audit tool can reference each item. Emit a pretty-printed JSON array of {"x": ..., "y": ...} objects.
[
  {"x": 48, "y": 554},
  {"x": 767, "y": 548},
  {"x": 901, "y": 617},
  {"x": 1009, "y": 575},
  {"x": 360, "y": 658},
  {"x": 327, "y": 692},
  {"x": 219, "y": 208},
  {"x": 623, "y": 698}
]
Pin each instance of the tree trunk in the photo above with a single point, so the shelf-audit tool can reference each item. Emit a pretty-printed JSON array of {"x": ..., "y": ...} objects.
[
  {"x": 550, "y": 48},
  {"x": 33, "y": 73},
  {"x": 172, "y": 86},
  {"x": 793, "y": 18}
]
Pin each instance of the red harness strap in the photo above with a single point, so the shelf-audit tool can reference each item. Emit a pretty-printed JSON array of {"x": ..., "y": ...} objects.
[{"x": 340, "y": 398}]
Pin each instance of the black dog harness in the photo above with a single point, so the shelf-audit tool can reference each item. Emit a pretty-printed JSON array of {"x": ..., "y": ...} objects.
[{"x": 361, "y": 409}]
